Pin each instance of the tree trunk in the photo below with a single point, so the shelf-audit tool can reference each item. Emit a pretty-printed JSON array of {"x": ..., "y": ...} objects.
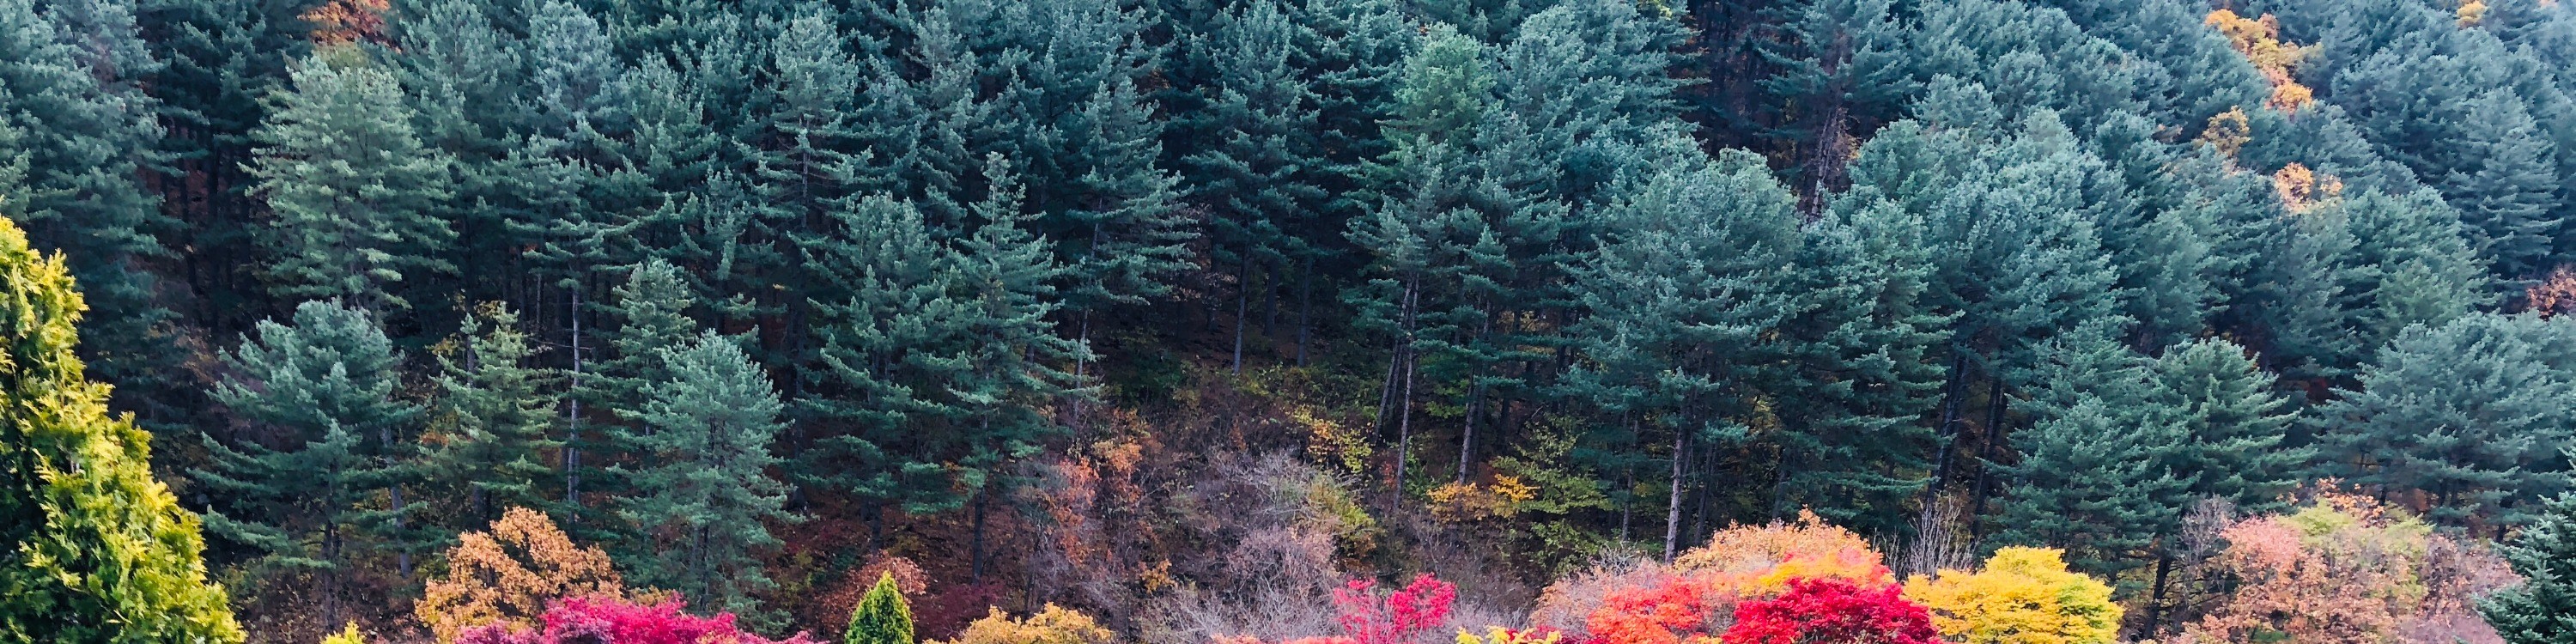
[
  {"x": 1673, "y": 503},
  {"x": 1986, "y": 455},
  {"x": 2156, "y": 598},
  {"x": 1305, "y": 307},
  {"x": 1242, "y": 299},
  {"x": 976, "y": 558},
  {"x": 572, "y": 415}
]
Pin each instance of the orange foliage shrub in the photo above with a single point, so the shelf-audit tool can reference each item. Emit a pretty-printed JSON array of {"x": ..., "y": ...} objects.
[
  {"x": 2552, "y": 296},
  {"x": 340, "y": 22},
  {"x": 1690, "y": 602},
  {"x": 2301, "y": 189},
  {"x": 2346, "y": 570},
  {"x": 1758, "y": 549},
  {"x": 2259, "y": 39},
  {"x": 508, "y": 573}
]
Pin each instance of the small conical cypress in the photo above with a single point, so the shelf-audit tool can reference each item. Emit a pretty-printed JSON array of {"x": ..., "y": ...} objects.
[{"x": 881, "y": 617}]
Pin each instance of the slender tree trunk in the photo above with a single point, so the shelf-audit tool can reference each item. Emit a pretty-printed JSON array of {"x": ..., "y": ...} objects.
[
  {"x": 572, "y": 414},
  {"x": 1242, "y": 299},
  {"x": 1305, "y": 307},
  {"x": 976, "y": 558},
  {"x": 2156, "y": 599},
  {"x": 1986, "y": 454},
  {"x": 394, "y": 498},
  {"x": 1673, "y": 503},
  {"x": 1467, "y": 437},
  {"x": 1949, "y": 427}
]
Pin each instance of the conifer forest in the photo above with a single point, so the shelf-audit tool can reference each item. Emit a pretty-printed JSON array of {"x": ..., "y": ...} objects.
[{"x": 1287, "y": 321}]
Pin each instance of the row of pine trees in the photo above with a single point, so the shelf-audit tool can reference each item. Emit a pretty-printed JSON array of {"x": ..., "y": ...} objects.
[{"x": 679, "y": 272}]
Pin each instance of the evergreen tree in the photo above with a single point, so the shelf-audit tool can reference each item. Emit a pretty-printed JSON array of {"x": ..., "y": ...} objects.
[
  {"x": 702, "y": 487},
  {"x": 1678, "y": 298},
  {"x": 2094, "y": 475},
  {"x": 1256, "y": 170},
  {"x": 2508, "y": 193},
  {"x": 325, "y": 387},
  {"x": 1862, "y": 367},
  {"x": 495, "y": 416},
  {"x": 881, "y": 617},
  {"x": 353, "y": 193},
  {"x": 2464, "y": 412},
  {"x": 2233, "y": 421},
  {"x": 651, "y": 315},
  {"x": 2542, "y": 610},
  {"x": 98, "y": 551},
  {"x": 75, "y": 73}
]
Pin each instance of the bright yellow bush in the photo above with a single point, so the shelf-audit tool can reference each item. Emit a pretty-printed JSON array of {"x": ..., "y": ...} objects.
[
  {"x": 2024, "y": 596},
  {"x": 1500, "y": 635},
  {"x": 349, "y": 635},
  {"x": 1054, "y": 625}
]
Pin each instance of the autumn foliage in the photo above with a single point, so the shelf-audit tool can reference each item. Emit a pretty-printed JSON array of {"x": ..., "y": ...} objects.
[
  {"x": 1832, "y": 611},
  {"x": 1400, "y": 616},
  {"x": 1053, "y": 625},
  {"x": 1689, "y": 602},
  {"x": 2023, "y": 596},
  {"x": 511, "y": 574},
  {"x": 2259, "y": 39},
  {"x": 613, "y": 620},
  {"x": 2346, "y": 570}
]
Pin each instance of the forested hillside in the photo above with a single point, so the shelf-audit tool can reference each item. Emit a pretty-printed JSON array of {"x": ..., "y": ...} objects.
[{"x": 1326, "y": 321}]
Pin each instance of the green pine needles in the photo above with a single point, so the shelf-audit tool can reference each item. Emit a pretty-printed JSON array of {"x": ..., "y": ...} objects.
[{"x": 2543, "y": 609}]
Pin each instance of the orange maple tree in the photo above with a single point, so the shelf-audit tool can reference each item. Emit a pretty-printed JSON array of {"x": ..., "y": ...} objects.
[{"x": 509, "y": 573}]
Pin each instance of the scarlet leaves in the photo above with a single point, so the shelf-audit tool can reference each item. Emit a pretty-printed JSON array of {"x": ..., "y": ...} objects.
[
  {"x": 1400, "y": 617},
  {"x": 609, "y": 619},
  {"x": 1832, "y": 611}
]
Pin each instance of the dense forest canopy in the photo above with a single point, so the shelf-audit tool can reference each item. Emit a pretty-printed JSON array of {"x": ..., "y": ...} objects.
[{"x": 1233, "y": 321}]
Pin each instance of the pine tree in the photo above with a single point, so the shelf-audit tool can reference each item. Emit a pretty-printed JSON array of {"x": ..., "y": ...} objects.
[
  {"x": 2463, "y": 412},
  {"x": 495, "y": 415},
  {"x": 702, "y": 487},
  {"x": 353, "y": 191},
  {"x": 881, "y": 617},
  {"x": 324, "y": 387},
  {"x": 2094, "y": 474},
  {"x": 2508, "y": 193},
  {"x": 1255, "y": 169},
  {"x": 1841, "y": 64},
  {"x": 2543, "y": 609},
  {"x": 1680, "y": 295},
  {"x": 1862, "y": 353},
  {"x": 98, "y": 551},
  {"x": 651, "y": 315},
  {"x": 75, "y": 72},
  {"x": 2234, "y": 421}
]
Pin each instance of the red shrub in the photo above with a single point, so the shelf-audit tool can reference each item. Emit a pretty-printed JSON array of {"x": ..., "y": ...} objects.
[
  {"x": 1832, "y": 611},
  {"x": 1397, "y": 618},
  {"x": 609, "y": 620}
]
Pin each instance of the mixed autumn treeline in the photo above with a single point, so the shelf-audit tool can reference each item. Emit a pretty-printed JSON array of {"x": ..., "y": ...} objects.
[{"x": 1044, "y": 296}]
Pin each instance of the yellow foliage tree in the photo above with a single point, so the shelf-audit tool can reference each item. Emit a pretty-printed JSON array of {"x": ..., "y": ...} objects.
[
  {"x": 509, "y": 573},
  {"x": 2024, "y": 596},
  {"x": 2259, "y": 39},
  {"x": 1053, "y": 625}
]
